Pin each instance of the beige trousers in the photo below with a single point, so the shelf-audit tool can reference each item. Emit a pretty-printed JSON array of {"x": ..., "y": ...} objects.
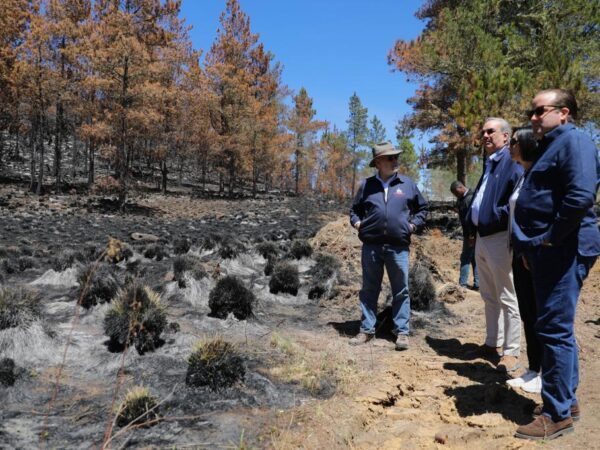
[{"x": 502, "y": 318}]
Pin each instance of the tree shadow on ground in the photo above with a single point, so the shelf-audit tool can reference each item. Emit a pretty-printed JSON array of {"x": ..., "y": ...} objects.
[
  {"x": 383, "y": 328},
  {"x": 478, "y": 399},
  {"x": 453, "y": 348}
]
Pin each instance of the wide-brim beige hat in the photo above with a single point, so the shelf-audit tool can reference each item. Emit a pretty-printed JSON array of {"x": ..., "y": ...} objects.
[{"x": 383, "y": 149}]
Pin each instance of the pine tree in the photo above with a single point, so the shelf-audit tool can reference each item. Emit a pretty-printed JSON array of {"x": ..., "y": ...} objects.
[
  {"x": 357, "y": 135},
  {"x": 376, "y": 132},
  {"x": 408, "y": 161}
]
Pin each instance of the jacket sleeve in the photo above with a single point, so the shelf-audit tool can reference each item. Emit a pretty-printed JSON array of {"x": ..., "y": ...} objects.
[
  {"x": 418, "y": 209},
  {"x": 357, "y": 210},
  {"x": 503, "y": 211},
  {"x": 578, "y": 169}
]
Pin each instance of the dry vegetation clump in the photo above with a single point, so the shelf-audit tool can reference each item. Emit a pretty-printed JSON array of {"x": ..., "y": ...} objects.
[
  {"x": 19, "y": 307},
  {"x": 421, "y": 287},
  {"x": 267, "y": 250},
  {"x": 231, "y": 248},
  {"x": 25, "y": 262},
  {"x": 137, "y": 407},
  {"x": 324, "y": 274},
  {"x": 152, "y": 251},
  {"x": 301, "y": 248},
  {"x": 214, "y": 363},
  {"x": 190, "y": 264},
  {"x": 66, "y": 259},
  {"x": 8, "y": 266},
  {"x": 136, "y": 317},
  {"x": 117, "y": 251},
  {"x": 7, "y": 372},
  {"x": 98, "y": 283},
  {"x": 285, "y": 279},
  {"x": 451, "y": 293},
  {"x": 231, "y": 296},
  {"x": 181, "y": 246}
]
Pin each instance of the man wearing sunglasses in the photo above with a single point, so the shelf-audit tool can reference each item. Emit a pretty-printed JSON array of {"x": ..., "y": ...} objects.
[
  {"x": 387, "y": 210},
  {"x": 488, "y": 220},
  {"x": 557, "y": 231}
]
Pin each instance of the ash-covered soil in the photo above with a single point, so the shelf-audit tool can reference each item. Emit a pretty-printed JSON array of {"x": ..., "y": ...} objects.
[{"x": 303, "y": 386}]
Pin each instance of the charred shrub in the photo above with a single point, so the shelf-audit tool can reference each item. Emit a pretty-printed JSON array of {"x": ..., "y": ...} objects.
[
  {"x": 190, "y": 264},
  {"x": 324, "y": 274},
  {"x": 8, "y": 266},
  {"x": 231, "y": 296},
  {"x": 421, "y": 288},
  {"x": 267, "y": 250},
  {"x": 66, "y": 259},
  {"x": 138, "y": 407},
  {"x": 25, "y": 262},
  {"x": 214, "y": 363},
  {"x": 231, "y": 248},
  {"x": 301, "y": 248},
  {"x": 210, "y": 241},
  {"x": 137, "y": 317},
  {"x": 181, "y": 246},
  {"x": 269, "y": 267},
  {"x": 154, "y": 251},
  {"x": 7, "y": 372},
  {"x": 285, "y": 279},
  {"x": 18, "y": 307},
  {"x": 98, "y": 283}
]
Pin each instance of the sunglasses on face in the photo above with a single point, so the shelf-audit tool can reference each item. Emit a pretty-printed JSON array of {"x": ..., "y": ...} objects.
[
  {"x": 540, "y": 111},
  {"x": 488, "y": 131},
  {"x": 391, "y": 158}
]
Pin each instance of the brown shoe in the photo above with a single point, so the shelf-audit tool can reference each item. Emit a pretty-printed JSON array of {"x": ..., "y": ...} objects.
[
  {"x": 361, "y": 338},
  {"x": 544, "y": 428},
  {"x": 575, "y": 412},
  {"x": 485, "y": 351},
  {"x": 402, "y": 342},
  {"x": 508, "y": 364}
]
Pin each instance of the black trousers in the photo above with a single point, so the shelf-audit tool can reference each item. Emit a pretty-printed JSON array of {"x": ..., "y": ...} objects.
[{"x": 528, "y": 310}]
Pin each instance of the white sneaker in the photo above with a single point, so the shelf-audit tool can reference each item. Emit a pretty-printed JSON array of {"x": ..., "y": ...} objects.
[
  {"x": 533, "y": 386},
  {"x": 525, "y": 378}
]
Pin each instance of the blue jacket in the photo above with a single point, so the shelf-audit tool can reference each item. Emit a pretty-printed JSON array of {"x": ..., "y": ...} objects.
[
  {"x": 494, "y": 211},
  {"x": 556, "y": 201},
  {"x": 388, "y": 222}
]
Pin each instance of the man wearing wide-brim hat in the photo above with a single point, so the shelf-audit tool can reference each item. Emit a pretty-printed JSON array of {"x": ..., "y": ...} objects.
[{"x": 387, "y": 209}]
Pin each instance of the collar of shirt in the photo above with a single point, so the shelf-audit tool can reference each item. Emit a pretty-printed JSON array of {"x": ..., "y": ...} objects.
[
  {"x": 389, "y": 180},
  {"x": 550, "y": 136}
]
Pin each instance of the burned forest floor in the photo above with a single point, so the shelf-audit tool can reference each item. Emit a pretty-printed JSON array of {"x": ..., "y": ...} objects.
[{"x": 301, "y": 385}]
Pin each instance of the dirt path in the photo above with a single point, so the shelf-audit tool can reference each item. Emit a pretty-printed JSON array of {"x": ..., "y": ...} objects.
[{"x": 431, "y": 396}]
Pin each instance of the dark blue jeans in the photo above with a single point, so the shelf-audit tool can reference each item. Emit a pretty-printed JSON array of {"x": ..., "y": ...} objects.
[
  {"x": 467, "y": 259},
  {"x": 558, "y": 274},
  {"x": 395, "y": 259}
]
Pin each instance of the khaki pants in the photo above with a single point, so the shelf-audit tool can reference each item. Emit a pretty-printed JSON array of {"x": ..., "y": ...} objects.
[{"x": 502, "y": 319}]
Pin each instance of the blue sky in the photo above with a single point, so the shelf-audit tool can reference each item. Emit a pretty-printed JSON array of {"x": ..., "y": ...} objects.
[{"x": 331, "y": 47}]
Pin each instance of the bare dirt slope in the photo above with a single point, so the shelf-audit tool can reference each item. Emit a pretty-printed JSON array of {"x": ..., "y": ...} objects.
[{"x": 431, "y": 396}]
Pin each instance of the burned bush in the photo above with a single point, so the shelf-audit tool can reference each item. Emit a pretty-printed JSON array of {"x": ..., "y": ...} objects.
[
  {"x": 269, "y": 266},
  {"x": 7, "y": 372},
  {"x": 138, "y": 407},
  {"x": 152, "y": 251},
  {"x": 285, "y": 279},
  {"x": 323, "y": 275},
  {"x": 190, "y": 264},
  {"x": 267, "y": 250},
  {"x": 181, "y": 246},
  {"x": 19, "y": 307},
  {"x": 421, "y": 288},
  {"x": 8, "y": 266},
  {"x": 66, "y": 259},
  {"x": 214, "y": 363},
  {"x": 231, "y": 248},
  {"x": 25, "y": 262},
  {"x": 231, "y": 296},
  {"x": 98, "y": 283},
  {"x": 117, "y": 251},
  {"x": 301, "y": 248},
  {"x": 136, "y": 317}
]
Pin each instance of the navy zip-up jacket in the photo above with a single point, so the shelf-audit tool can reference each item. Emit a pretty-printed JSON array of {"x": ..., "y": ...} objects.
[
  {"x": 388, "y": 222},
  {"x": 556, "y": 202},
  {"x": 494, "y": 210}
]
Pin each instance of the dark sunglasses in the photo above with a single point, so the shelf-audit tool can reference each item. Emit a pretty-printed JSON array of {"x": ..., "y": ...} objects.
[
  {"x": 391, "y": 157},
  {"x": 540, "y": 110},
  {"x": 489, "y": 131}
]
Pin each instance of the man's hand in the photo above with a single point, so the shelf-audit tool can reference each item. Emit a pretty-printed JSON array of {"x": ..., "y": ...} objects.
[
  {"x": 412, "y": 227},
  {"x": 357, "y": 225}
]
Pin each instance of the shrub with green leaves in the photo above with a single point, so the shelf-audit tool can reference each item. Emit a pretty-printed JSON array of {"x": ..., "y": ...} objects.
[
  {"x": 136, "y": 317},
  {"x": 214, "y": 363},
  {"x": 19, "y": 307},
  {"x": 231, "y": 296},
  {"x": 285, "y": 279},
  {"x": 137, "y": 407}
]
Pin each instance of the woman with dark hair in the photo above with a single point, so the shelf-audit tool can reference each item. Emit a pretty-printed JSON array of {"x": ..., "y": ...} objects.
[{"x": 524, "y": 150}]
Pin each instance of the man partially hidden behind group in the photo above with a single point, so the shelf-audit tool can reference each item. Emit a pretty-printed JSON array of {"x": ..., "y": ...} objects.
[
  {"x": 464, "y": 197},
  {"x": 556, "y": 230},
  {"x": 487, "y": 219},
  {"x": 387, "y": 210}
]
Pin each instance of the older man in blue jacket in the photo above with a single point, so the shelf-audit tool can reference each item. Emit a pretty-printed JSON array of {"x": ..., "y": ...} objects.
[
  {"x": 387, "y": 210},
  {"x": 488, "y": 216},
  {"x": 557, "y": 231}
]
